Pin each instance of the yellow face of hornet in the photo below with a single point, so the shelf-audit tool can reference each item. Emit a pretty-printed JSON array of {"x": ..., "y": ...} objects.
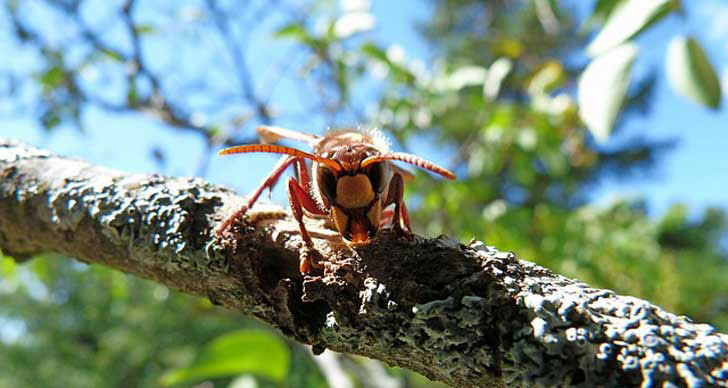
[{"x": 353, "y": 193}]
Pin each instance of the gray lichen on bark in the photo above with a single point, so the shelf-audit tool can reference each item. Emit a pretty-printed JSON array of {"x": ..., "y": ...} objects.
[{"x": 467, "y": 315}]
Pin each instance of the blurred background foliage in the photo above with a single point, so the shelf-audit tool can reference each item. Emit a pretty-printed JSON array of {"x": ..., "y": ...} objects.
[{"x": 522, "y": 99}]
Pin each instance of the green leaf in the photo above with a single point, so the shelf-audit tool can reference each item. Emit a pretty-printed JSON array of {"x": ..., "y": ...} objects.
[
  {"x": 399, "y": 72},
  {"x": 52, "y": 78},
  {"x": 112, "y": 55},
  {"x": 132, "y": 95},
  {"x": 298, "y": 32},
  {"x": 600, "y": 14},
  {"x": 548, "y": 77},
  {"x": 7, "y": 266},
  {"x": 295, "y": 31},
  {"x": 235, "y": 353},
  {"x": 690, "y": 72},
  {"x": 604, "y": 8},
  {"x": 374, "y": 52},
  {"x": 508, "y": 47},
  {"x": 497, "y": 73},
  {"x": 143, "y": 29},
  {"x": 627, "y": 20},
  {"x": 602, "y": 88}
]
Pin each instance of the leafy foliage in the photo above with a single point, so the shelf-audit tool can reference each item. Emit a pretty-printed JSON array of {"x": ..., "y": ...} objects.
[
  {"x": 691, "y": 73},
  {"x": 87, "y": 326},
  {"x": 626, "y": 20},
  {"x": 236, "y": 353},
  {"x": 603, "y": 87}
]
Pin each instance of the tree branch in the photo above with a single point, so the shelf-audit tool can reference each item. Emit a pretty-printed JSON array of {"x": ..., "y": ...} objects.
[{"x": 467, "y": 315}]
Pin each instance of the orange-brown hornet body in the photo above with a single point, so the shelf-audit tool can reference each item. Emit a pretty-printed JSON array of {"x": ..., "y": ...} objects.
[{"x": 354, "y": 181}]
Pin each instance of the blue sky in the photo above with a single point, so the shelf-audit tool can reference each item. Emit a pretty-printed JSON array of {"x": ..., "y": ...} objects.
[{"x": 695, "y": 172}]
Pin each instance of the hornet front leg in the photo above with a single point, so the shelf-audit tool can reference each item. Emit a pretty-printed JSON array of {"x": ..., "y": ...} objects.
[
  {"x": 268, "y": 183},
  {"x": 396, "y": 196},
  {"x": 299, "y": 200}
]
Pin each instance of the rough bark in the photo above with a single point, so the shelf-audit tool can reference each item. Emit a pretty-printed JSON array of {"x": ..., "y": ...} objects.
[{"x": 467, "y": 315}]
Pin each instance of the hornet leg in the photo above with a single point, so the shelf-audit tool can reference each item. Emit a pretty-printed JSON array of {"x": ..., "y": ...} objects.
[
  {"x": 395, "y": 196},
  {"x": 299, "y": 200},
  {"x": 268, "y": 183}
]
